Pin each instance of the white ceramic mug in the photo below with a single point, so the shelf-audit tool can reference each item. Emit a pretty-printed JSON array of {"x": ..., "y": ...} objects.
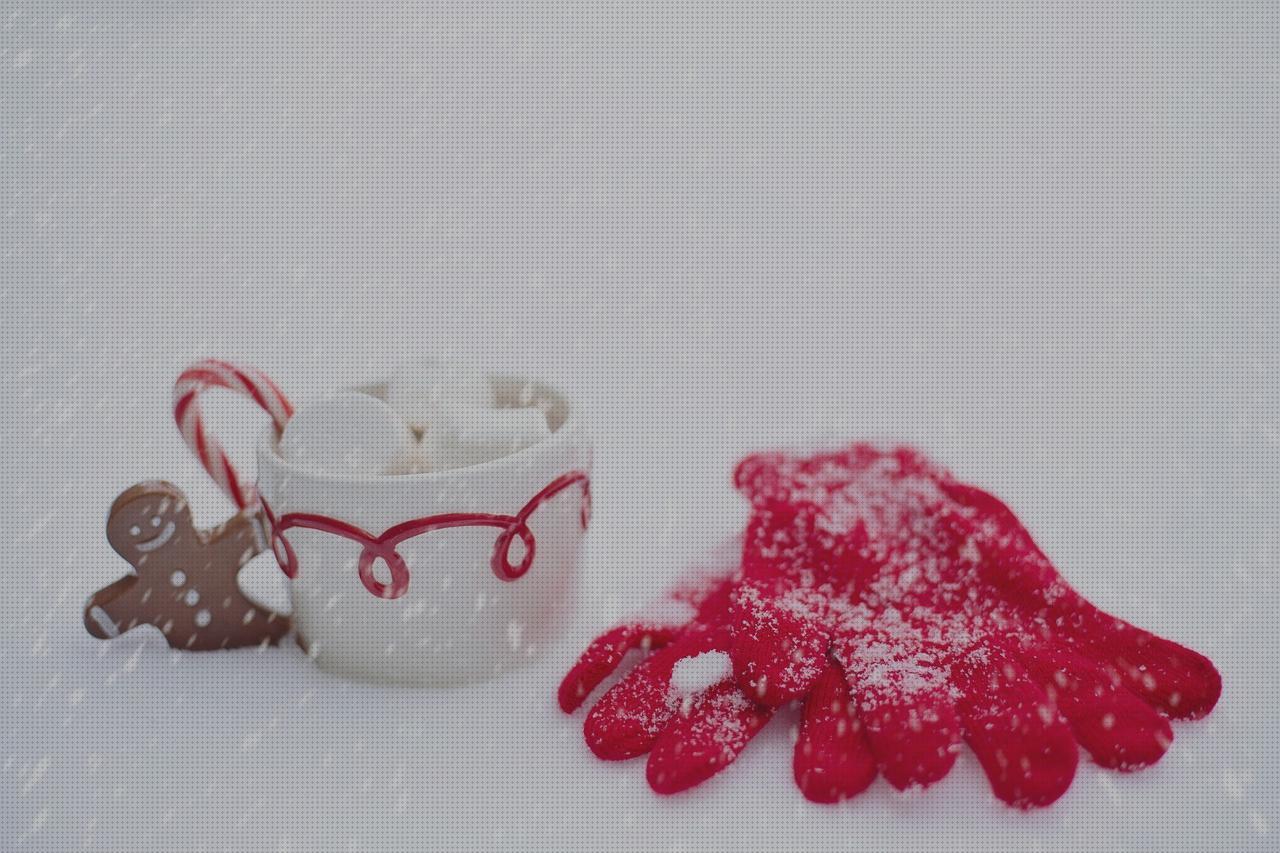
[{"x": 437, "y": 578}]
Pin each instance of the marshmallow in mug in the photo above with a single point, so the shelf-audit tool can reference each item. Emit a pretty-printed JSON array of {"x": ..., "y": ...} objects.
[
  {"x": 352, "y": 432},
  {"x": 421, "y": 392},
  {"x": 455, "y": 410},
  {"x": 461, "y": 437},
  {"x": 346, "y": 433}
]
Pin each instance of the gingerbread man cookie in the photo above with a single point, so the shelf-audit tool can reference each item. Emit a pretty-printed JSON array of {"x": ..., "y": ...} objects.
[{"x": 185, "y": 579}]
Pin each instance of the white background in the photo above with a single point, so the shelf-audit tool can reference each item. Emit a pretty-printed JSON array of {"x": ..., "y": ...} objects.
[{"x": 708, "y": 225}]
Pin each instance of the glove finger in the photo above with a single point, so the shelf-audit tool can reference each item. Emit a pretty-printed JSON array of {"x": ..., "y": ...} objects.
[
  {"x": 914, "y": 737},
  {"x": 758, "y": 472},
  {"x": 779, "y": 645},
  {"x": 833, "y": 760},
  {"x": 1023, "y": 743},
  {"x": 1117, "y": 728},
  {"x": 700, "y": 743},
  {"x": 1180, "y": 682},
  {"x": 1010, "y": 559},
  {"x": 910, "y": 722},
  {"x": 627, "y": 719},
  {"x": 602, "y": 657}
]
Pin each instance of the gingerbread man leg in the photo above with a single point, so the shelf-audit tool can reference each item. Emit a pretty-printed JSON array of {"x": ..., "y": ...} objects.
[{"x": 185, "y": 579}]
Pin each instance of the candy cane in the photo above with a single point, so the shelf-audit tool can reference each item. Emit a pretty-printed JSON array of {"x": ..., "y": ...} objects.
[{"x": 213, "y": 373}]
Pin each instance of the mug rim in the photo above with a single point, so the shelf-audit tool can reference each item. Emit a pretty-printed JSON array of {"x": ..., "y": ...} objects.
[{"x": 268, "y": 448}]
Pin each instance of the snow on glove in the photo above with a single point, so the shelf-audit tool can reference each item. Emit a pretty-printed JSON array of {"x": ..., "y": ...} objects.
[
  {"x": 681, "y": 703},
  {"x": 913, "y": 611}
]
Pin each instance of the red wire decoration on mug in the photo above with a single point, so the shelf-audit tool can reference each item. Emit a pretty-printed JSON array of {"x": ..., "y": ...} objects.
[{"x": 384, "y": 546}]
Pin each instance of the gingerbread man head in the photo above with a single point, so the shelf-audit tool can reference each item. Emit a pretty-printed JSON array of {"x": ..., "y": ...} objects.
[
  {"x": 150, "y": 520},
  {"x": 184, "y": 580}
]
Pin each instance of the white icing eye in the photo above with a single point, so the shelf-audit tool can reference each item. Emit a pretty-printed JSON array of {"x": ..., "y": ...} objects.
[
  {"x": 135, "y": 531},
  {"x": 155, "y": 521},
  {"x": 178, "y": 578}
]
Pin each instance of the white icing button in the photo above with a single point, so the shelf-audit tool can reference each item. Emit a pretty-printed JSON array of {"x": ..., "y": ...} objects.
[
  {"x": 178, "y": 578},
  {"x": 347, "y": 433}
]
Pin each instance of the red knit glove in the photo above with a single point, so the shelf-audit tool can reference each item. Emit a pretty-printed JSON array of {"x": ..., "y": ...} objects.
[
  {"x": 876, "y": 575},
  {"x": 913, "y": 611},
  {"x": 681, "y": 703}
]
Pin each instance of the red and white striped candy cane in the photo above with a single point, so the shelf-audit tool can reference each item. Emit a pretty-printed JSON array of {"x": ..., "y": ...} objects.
[{"x": 253, "y": 383}]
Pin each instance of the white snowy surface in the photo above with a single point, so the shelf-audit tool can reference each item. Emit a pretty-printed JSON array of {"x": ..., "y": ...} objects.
[
  {"x": 759, "y": 166},
  {"x": 1137, "y": 433}
]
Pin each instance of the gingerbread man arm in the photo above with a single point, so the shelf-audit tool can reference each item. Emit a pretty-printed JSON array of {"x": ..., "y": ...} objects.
[{"x": 237, "y": 540}]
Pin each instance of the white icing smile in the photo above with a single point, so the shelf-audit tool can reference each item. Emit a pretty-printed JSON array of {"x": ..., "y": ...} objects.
[{"x": 158, "y": 540}]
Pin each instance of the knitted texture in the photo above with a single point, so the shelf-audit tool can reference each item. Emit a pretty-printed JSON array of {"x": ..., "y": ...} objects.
[
  {"x": 909, "y": 612},
  {"x": 692, "y": 726}
]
